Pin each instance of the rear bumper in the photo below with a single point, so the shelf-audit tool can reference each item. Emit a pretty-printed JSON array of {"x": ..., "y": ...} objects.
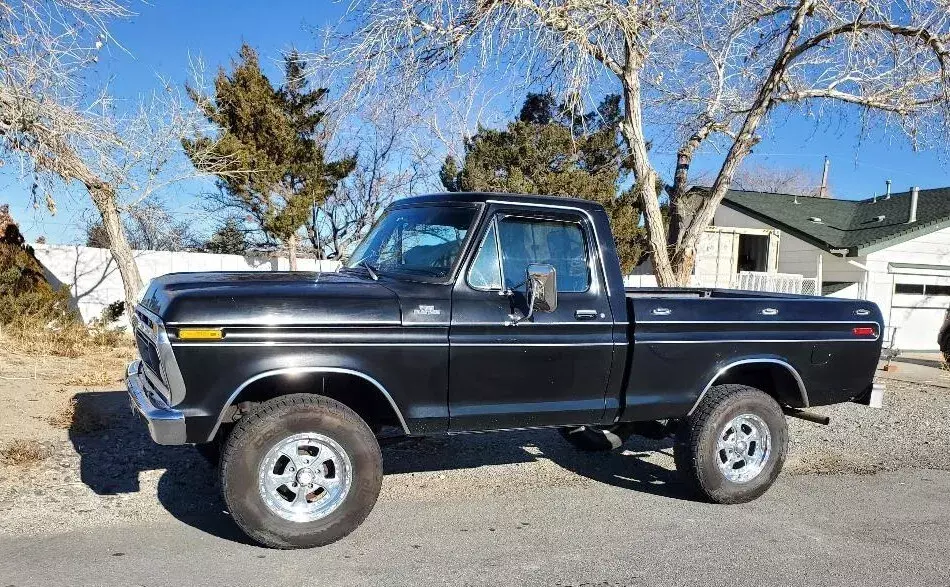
[{"x": 166, "y": 425}]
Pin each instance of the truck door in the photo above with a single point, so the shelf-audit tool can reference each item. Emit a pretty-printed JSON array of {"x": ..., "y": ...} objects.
[{"x": 550, "y": 370}]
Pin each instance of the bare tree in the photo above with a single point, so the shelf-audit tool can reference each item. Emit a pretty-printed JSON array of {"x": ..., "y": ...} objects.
[
  {"x": 777, "y": 180},
  {"x": 700, "y": 72},
  {"x": 61, "y": 131},
  {"x": 149, "y": 226},
  {"x": 48, "y": 121},
  {"x": 388, "y": 166}
]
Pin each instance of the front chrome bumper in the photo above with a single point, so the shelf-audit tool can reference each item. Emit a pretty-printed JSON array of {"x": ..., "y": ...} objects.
[{"x": 166, "y": 425}]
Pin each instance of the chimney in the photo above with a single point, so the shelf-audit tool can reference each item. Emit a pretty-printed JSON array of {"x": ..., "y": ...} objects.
[
  {"x": 823, "y": 190},
  {"x": 887, "y": 196},
  {"x": 914, "y": 195}
]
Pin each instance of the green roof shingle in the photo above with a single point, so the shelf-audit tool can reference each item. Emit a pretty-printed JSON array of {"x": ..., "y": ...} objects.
[{"x": 846, "y": 224}]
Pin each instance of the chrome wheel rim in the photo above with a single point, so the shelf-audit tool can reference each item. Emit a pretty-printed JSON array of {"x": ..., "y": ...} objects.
[
  {"x": 305, "y": 477},
  {"x": 743, "y": 448}
]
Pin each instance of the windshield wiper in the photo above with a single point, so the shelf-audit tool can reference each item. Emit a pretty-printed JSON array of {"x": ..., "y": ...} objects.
[{"x": 369, "y": 269}]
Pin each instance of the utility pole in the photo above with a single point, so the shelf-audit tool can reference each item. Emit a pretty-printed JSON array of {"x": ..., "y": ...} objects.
[
  {"x": 313, "y": 223},
  {"x": 823, "y": 190}
]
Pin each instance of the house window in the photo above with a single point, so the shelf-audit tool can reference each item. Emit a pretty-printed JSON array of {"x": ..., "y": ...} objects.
[
  {"x": 919, "y": 289},
  {"x": 753, "y": 252},
  {"x": 916, "y": 289},
  {"x": 937, "y": 290}
]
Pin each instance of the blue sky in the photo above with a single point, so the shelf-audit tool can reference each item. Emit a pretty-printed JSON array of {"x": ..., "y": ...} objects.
[{"x": 160, "y": 39}]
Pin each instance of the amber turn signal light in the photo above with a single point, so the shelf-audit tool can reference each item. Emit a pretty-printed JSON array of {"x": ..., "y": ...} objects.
[{"x": 200, "y": 334}]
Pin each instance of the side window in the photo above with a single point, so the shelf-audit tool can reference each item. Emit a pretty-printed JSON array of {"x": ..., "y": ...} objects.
[
  {"x": 486, "y": 271},
  {"x": 562, "y": 244}
]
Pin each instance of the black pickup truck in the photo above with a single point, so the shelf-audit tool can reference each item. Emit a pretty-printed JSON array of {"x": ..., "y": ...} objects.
[{"x": 475, "y": 312}]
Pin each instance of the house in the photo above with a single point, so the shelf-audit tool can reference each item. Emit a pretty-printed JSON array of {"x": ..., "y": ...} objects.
[{"x": 892, "y": 249}]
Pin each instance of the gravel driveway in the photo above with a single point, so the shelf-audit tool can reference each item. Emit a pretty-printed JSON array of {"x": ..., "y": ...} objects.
[
  {"x": 808, "y": 530},
  {"x": 115, "y": 474}
]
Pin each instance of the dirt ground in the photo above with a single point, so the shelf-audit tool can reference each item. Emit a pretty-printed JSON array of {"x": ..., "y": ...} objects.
[
  {"x": 72, "y": 455},
  {"x": 37, "y": 392}
]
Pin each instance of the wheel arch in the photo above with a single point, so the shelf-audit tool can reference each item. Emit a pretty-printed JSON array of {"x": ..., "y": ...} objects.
[
  {"x": 774, "y": 376},
  {"x": 359, "y": 391}
]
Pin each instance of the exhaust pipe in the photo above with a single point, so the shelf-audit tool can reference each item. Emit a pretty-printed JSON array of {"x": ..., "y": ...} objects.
[{"x": 808, "y": 416}]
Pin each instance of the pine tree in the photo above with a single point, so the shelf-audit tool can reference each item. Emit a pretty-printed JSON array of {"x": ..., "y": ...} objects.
[
  {"x": 551, "y": 150},
  {"x": 271, "y": 144},
  {"x": 228, "y": 239}
]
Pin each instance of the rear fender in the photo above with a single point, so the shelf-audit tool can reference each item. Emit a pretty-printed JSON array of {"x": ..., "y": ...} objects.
[{"x": 773, "y": 375}]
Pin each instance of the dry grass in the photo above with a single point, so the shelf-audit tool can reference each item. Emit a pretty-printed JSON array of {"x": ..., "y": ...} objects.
[
  {"x": 72, "y": 339},
  {"x": 92, "y": 378},
  {"x": 40, "y": 319},
  {"x": 99, "y": 368},
  {"x": 79, "y": 421},
  {"x": 23, "y": 453},
  {"x": 63, "y": 418},
  {"x": 40, "y": 322}
]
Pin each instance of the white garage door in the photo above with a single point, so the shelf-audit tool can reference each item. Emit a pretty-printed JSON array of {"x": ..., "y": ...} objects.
[{"x": 918, "y": 307}]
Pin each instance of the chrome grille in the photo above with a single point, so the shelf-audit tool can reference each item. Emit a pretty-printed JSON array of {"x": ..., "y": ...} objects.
[
  {"x": 161, "y": 368},
  {"x": 149, "y": 354}
]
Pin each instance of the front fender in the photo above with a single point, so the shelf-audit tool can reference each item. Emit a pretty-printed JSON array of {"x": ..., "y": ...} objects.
[{"x": 413, "y": 377}]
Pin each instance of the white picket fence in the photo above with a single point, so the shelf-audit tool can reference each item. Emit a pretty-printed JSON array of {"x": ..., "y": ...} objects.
[
  {"x": 745, "y": 280},
  {"x": 778, "y": 283}
]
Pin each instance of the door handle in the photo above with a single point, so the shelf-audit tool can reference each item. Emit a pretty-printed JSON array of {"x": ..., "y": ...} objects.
[
  {"x": 661, "y": 312},
  {"x": 585, "y": 314},
  {"x": 769, "y": 312}
]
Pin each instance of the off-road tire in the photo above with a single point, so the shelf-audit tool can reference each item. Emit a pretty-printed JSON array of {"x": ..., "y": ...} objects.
[
  {"x": 597, "y": 438},
  {"x": 695, "y": 450},
  {"x": 279, "y": 418}
]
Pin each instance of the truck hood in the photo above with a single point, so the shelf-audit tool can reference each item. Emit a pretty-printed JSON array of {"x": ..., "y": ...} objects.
[{"x": 261, "y": 298}]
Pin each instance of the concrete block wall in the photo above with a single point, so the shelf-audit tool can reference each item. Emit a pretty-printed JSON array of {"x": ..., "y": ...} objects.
[{"x": 93, "y": 279}]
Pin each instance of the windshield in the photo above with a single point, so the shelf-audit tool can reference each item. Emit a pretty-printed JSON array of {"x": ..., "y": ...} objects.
[{"x": 423, "y": 241}]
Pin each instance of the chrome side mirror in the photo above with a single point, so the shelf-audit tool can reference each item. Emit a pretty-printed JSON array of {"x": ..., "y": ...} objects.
[{"x": 541, "y": 286}]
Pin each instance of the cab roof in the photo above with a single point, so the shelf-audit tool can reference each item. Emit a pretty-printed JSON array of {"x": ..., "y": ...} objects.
[{"x": 482, "y": 197}]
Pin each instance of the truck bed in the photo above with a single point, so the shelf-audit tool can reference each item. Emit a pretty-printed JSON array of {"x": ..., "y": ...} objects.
[{"x": 818, "y": 350}]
